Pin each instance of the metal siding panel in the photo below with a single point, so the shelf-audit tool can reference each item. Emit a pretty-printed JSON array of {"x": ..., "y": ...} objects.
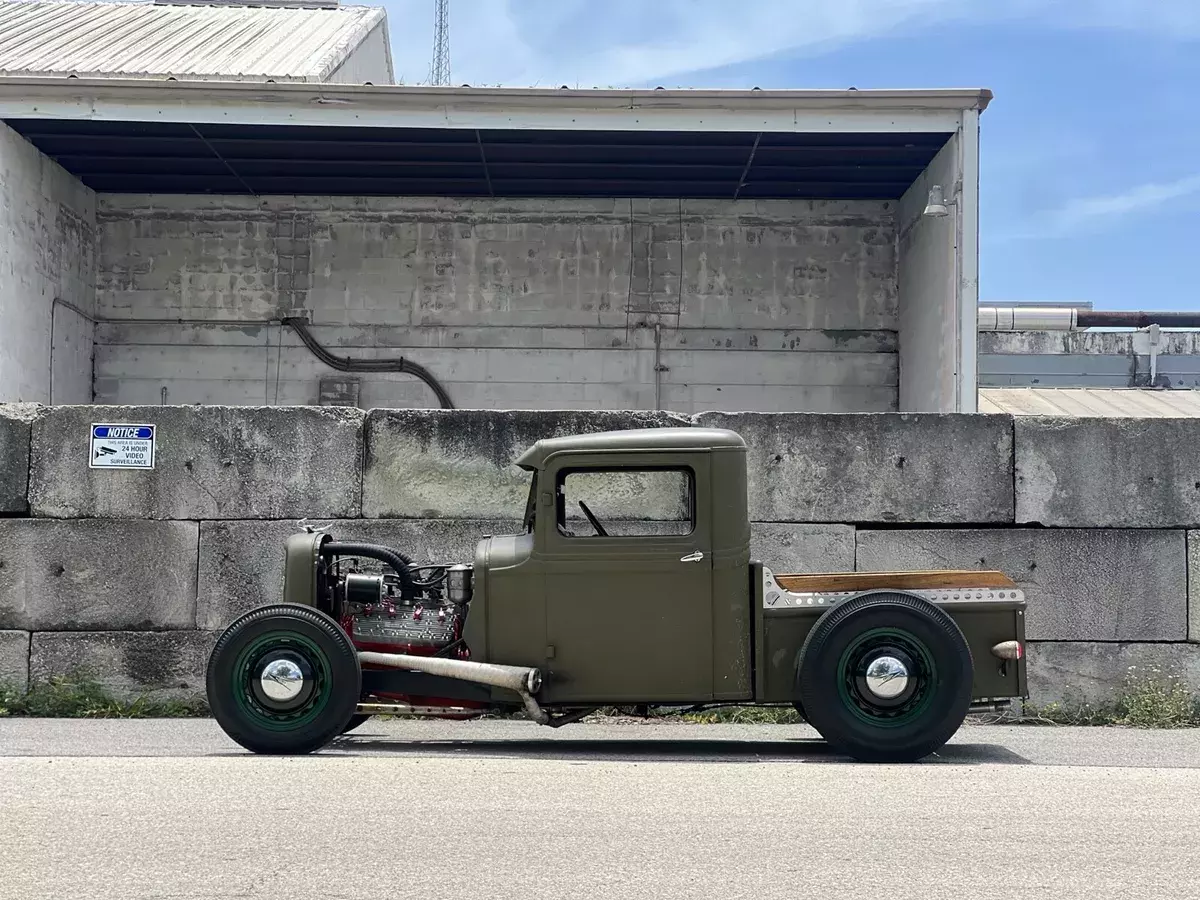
[{"x": 131, "y": 40}]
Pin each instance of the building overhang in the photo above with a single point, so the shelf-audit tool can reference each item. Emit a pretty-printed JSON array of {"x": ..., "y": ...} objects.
[{"x": 155, "y": 136}]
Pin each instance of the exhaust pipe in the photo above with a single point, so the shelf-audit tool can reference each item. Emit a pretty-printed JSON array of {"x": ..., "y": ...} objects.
[{"x": 523, "y": 681}]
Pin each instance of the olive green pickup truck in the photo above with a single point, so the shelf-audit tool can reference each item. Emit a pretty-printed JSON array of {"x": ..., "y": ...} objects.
[{"x": 630, "y": 584}]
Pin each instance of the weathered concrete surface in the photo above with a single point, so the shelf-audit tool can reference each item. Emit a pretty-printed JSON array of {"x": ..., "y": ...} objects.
[
  {"x": 876, "y": 468},
  {"x": 1193, "y": 568},
  {"x": 802, "y": 549},
  {"x": 160, "y": 665},
  {"x": 458, "y": 464},
  {"x": 1107, "y": 472},
  {"x": 1081, "y": 585},
  {"x": 241, "y": 563},
  {"x": 14, "y": 659},
  {"x": 511, "y": 303},
  {"x": 97, "y": 574},
  {"x": 47, "y": 254},
  {"x": 211, "y": 463},
  {"x": 15, "y": 424},
  {"x": 1097, "y": 673}
]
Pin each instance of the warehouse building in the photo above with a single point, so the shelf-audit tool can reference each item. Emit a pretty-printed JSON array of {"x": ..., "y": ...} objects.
[{"x": 236, "y": 242}]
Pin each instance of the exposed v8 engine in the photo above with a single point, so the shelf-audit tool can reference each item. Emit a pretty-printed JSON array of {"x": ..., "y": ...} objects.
[{"x": 406, "y": 608}]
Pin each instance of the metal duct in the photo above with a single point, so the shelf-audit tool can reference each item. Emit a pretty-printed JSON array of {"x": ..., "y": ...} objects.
[
  {"x": 1027, "y": 318},
  {"x": 1106, "y": 319},
  {"x": 1067, "y": 318}
]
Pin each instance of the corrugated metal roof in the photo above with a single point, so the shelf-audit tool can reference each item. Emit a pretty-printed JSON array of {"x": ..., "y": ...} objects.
[
  {"x": 1107, "y": 402},
  {"x": 139, "y": 40}
]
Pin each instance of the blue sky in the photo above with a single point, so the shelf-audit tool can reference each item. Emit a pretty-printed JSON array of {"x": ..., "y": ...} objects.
[{"x": 1090, "y": 151}]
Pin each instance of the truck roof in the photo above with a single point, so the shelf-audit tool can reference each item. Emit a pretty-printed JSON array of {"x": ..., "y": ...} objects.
[{"x": 681, "y": 438}]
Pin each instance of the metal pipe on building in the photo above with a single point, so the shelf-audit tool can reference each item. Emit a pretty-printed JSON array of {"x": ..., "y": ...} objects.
[
  {"x": 1106, "y": 319},
  {"x": 1065, "y": 318},
  {"x": 1029, "y": 318}
]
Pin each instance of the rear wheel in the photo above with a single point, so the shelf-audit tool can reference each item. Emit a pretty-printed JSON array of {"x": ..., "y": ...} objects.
[
  {"x": 283, "y": 679},
  {"x": 885, "y": 677}
]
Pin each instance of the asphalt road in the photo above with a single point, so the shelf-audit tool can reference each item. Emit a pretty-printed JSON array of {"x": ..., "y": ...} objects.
[{"x": 135, "y": 809}]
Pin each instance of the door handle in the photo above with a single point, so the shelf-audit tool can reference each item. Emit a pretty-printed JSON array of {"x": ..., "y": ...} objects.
[{"x": 692, "y": 557}]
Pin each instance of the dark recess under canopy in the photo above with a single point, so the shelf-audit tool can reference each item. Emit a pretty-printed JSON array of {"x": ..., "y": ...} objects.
[{"x": 159, "y": 157}]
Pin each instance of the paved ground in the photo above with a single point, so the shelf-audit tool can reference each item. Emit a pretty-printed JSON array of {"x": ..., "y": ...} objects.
[{"x": 486, "y": 809}]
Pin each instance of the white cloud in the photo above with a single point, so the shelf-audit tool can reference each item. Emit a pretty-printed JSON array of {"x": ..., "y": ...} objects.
[
  {"x": 1090, "y": 211},
  {"x": 621, "y": 43},
  {"x": 1089, "y": 214}
]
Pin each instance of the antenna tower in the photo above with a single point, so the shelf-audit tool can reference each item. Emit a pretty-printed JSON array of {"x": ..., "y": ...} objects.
[{"x": 439, "y": 69}]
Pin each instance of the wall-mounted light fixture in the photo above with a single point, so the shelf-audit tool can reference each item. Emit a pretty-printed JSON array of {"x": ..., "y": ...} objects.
[{"x": 937, "y": 205}]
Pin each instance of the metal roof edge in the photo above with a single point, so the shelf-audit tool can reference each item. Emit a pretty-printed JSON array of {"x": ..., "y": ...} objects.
[
  {"x": 649, "y": 99},
  {"x": 352, "y": 40}
]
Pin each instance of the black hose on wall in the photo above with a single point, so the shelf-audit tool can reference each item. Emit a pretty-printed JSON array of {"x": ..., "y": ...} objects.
[{"x": 345, "y": 364}]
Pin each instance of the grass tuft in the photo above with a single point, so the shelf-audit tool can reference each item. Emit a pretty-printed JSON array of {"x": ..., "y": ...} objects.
[
  {"x": 78, "y": 696},
  {"x": 1149, "y": 698}
]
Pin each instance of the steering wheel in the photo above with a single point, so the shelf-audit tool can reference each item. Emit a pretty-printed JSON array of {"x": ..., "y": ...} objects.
[{"x": 595, "y": 522}]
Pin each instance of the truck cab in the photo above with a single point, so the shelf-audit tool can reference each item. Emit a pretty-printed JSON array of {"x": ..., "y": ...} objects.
[{"x": 630, "y": 583}]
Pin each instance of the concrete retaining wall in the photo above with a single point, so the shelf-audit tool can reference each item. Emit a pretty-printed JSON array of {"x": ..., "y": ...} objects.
[{"x": 133, "y": 573}]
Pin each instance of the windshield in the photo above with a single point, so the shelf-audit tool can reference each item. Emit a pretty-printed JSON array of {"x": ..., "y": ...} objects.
[{"x": 530, "y": 504}]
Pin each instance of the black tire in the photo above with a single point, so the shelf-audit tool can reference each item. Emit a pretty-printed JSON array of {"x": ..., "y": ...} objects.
[
  {"x": 831, "y": 687},
  {"x": 355, "y": 721},
  {"x": 328, "y": 693}
]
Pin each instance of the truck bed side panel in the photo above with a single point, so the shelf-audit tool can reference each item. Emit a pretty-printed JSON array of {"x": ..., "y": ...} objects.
[{"x": 984, "y": 623}]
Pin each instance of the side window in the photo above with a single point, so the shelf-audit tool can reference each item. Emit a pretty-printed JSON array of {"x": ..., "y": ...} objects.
[{"x": 626, "y": 502}]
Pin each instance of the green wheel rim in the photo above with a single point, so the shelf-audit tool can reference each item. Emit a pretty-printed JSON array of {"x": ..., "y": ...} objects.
[
  {"x": 862, "y": 706},
  {"x": 248, "y": 665}
]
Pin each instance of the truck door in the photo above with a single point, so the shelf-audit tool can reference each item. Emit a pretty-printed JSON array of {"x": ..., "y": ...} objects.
[{"x": 628, "y": 563}]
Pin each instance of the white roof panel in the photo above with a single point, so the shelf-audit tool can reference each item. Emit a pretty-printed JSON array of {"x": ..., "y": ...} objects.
[
  {"x": 1110, "y": 402},
  {"x": 140, "y": 40}
]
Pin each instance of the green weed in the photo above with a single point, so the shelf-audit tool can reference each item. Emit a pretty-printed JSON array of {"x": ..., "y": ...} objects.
[
  {"x": 1149, "y": 698},
  {"x": 78, "y": 696}
]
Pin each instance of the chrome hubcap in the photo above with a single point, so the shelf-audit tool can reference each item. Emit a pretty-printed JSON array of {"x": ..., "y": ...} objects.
[
  {"x": 887, "y": 677},
  {"x": 281, "y": 680}
]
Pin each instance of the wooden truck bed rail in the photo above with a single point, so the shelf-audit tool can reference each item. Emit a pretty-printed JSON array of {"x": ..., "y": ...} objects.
[{"x": 905, "y": 581}]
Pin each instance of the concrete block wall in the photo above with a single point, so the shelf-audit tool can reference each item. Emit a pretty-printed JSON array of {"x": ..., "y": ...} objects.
[
  {"x": 531, "y": 304},
  {"x": 134, "y": 573},
  {"x": 47, "y": 277}
]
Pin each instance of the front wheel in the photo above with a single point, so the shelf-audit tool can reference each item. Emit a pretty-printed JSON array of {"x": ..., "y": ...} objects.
[
  {"x": 283, "y": 679},
  {"x": 885, "y": 677}
]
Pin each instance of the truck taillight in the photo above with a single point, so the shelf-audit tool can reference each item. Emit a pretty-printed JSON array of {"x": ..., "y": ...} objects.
[{"x": 1008, "y": 650}]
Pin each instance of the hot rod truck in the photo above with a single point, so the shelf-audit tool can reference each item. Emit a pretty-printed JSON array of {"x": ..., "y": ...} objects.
[{"x": 630, "y": 584}]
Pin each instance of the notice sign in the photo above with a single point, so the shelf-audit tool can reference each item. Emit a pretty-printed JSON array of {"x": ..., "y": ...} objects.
[{"x": 122, "y": 447}]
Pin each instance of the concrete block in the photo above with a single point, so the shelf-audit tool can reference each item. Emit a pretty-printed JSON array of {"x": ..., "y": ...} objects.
[
  {"x": 97, "y": 574},
  {"x": 1097, "y": 674},
  {"x": 241, "y": 563},
  {"x": 158, "y": 665},
  {"x": 15, "y": 424},
  {"x": 1081, "y": 585},
  {"x": 802, "y": 549},
  {"x": 875, "y": 468},
  {"x": 14, "y": 660},
  {"x": 459, "y": 463},
  {"x": 1108, "y": 472},
  {"x": 211, "y": 463},
  {"x": 1193, "y": 586}
]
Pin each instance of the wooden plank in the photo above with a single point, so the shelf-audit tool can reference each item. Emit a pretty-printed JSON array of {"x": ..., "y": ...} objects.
[{"x": 870, "y": 581}]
